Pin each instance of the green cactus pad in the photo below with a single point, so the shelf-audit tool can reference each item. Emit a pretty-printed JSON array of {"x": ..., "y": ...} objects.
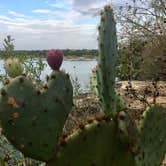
[
  {"x": 33, "y": 118},
  {"x": 120, "y": 103},
  {"x": 106, "y": 61},
  {"x": 153, "y": 137},
  {"x": 95, "y": 144},
  {"x": 13, "y": 67}
]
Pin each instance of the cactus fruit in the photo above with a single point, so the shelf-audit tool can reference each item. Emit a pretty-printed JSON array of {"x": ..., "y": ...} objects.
[
  {"x": 152, "y": 137},
  {"x": 32, "y": 119},
  {"x": 54, "y": 59},
  {"x": 106, "y": 61},
  {"x": 13, "y": 67},
  {"x": 94, "y": 144}
]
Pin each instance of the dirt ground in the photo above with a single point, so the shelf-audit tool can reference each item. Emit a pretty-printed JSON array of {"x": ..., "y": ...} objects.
[{"x": 137, "y": 94}]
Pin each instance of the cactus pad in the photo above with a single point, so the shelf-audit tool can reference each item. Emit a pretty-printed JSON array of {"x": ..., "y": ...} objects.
[
  {"x": 106, "y": 61},
  {"x": 13, "y": 67},
  {"x": 95, "y": 144},
  {"x": 153, "y": 137},
  {"x": 33, "y": 118}
]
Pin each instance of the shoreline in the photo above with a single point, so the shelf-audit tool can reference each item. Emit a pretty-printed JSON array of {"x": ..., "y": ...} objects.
[
  {"x": 70, "y": 58},
  {"x": 80, "y": 58}
]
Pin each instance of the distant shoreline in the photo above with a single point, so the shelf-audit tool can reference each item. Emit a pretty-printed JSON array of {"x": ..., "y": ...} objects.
[
  {"x": 71, "y": 58},
  {"x": 80, "y": 58}
]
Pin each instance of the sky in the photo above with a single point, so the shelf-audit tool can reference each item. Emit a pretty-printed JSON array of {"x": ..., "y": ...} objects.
[{"x": 51, "y": 24}]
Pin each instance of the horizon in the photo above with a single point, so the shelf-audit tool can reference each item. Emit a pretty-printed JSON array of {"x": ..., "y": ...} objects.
[{"x": 52, "y": 24}]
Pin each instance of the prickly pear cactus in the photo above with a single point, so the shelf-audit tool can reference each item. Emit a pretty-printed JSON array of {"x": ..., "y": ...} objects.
[
  {"x": 152, "y": 137},
  {"x": 106, "y": 61},
  {"x": 120, "y": 103},
  {"x": 33, "y": 118},
  {"x": 94, "y": 144},
  {"x": 127, "y": 131},
  {"x": 13, "y": 67}
]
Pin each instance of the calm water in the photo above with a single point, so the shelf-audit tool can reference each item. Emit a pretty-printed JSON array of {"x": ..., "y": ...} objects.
[{"x": 77, "y": 69}]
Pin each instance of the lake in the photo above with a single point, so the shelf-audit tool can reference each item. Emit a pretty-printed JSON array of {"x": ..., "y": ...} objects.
[{"x": 78, "y": 69}]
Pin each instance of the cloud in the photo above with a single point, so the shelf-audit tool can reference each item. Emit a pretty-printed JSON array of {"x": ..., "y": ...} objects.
[
  {"x": 93, "y": 7},
  {"x": 42, "y": 11},
  {"x": 65, "y": 4},
  {"x": 48, "y": 33},
  {"x": 4, "y": 18},
  {"x": 59, "y": 24},
  {"x": 88, "y": 6},
  {"x": 13, "y": 13}
]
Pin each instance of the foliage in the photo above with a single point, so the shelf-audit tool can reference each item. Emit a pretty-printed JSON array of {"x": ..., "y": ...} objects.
[
  {"x": 154, "y": 60},
  {"x": 143, "y": 18},
  {"x": 67, "y": 52},
  {"x": 33, "y": 67},
  {"x": 76, "y": 87},
  {"x": 130, "y": 58},
  {"x": 8, "y": 46},
  {"x": 142, "y": 21}
]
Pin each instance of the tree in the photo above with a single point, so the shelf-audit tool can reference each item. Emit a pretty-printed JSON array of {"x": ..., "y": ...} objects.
[
  {"x": 8, "y": 46},
  {"x": 154, "y": 60},
  {"x": 144, "y": 18},
  {"x": 145, "y": 21},
  {"x": 130, "y": 58}
]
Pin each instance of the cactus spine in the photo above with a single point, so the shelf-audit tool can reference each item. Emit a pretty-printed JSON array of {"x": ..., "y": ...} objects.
[{"x": 106, "y": 61}]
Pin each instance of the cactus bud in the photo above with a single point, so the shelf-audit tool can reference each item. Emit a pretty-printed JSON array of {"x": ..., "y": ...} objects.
[{"x": 13, "y": 67}]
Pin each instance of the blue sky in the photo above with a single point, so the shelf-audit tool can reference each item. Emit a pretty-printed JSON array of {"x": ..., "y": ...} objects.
[{"x": 47, "y": 24}]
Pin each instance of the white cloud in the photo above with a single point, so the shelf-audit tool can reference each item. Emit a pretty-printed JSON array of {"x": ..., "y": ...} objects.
[
  {"x": 65, "y": 4},
  {"x": 42, "y": 11},
  {"x": 3, "y": 18},
  {"x": 58, "y": 5},
  {"x": 48, "y": 33},
  {"x": 13, "y": 13},
  {"x": 72, "y": 27},
  {"x": 88, "y": 6}
]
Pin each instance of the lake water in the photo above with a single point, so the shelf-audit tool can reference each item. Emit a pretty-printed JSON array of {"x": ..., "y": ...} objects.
[{"x": 79, "y": 70}]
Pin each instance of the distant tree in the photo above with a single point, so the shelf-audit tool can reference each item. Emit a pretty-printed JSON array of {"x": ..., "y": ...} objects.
[{"x": 8, "y": 46}]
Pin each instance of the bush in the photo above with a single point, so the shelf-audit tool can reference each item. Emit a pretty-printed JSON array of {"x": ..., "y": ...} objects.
[{"x": 154, "y": 60}]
